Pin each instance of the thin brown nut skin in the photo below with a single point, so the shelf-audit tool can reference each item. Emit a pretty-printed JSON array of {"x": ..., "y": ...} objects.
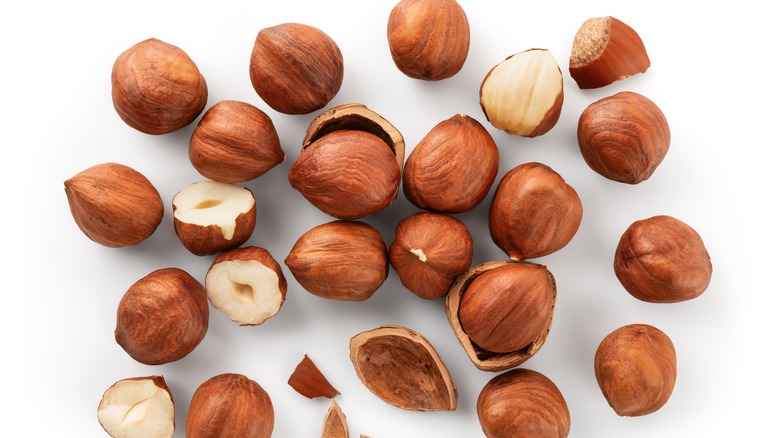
[
  {"x": 296, "y": 68},
  {"x": 335, "y": 424},
  {"x": 636, "y": 369},
  {"x": 662, "y": 260},
  {"x": 523, "y": 403},
  {"x": 156, "y": 88},
  {"x": 309, "y": 381},
  {"x": 428, "y": 39}
]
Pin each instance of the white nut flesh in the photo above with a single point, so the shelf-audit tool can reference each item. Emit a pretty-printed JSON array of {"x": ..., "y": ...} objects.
[
  {"x": 137, "y": 408},
  {"x": 207, "y": 203},
  {"x": 246, "y": 291}
]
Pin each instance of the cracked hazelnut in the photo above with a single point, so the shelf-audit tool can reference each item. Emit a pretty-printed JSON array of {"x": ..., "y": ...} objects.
[
  {"x": 662, "y": 260},
  {"x": 430, "y": 250},
  {"x": 295, "y": 68},
  {"x": 453, "y": 167},
  {"x": 429, "y": 39},
  {"x": 335, "y": 424},
  {"x": 521, "y": 403},
  {"x": 162, "y": 317},
  {"x": 636, "y": 368},
  {"x": 156, "y": 88},
  {"x": 139, "y": 407},
  {"x": 623, "y": 137}
]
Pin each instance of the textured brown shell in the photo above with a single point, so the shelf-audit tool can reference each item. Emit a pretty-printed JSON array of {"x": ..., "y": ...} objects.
[{"x": 335, "y": 424}]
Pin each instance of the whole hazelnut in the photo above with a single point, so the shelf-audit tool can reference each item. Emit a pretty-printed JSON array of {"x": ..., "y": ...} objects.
[
  {"x": 114, "y": 205},
  {"x": 453, "y": 167},
  {"x": 230, "y": 406},
  {"x": 623, "y": 137},
  {"x": 430, "y": 250},
  {"x": 662, "y": 260},
  {"x": 138, "y": 407},
  {"x": 520, "y": 403},
  {"x": 295, "y": 68},
  {"x": 636, "y": 368},
  {"x": 429, "y": 39},
  {"x": 534, "y": 212},
  {"x": 340, "y": 260},
  {"x": 234, "y": 142},
  {"x": 162, "y": 317},
  {"x": 156, "y": 88},
  {"x": 523, "y": 95}
]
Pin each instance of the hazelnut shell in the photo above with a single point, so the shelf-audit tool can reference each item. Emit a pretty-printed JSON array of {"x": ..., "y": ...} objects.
[{"x": 335, "y": 423}]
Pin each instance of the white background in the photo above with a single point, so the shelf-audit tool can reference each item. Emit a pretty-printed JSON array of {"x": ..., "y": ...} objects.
[{"x": 713, "y": 73}]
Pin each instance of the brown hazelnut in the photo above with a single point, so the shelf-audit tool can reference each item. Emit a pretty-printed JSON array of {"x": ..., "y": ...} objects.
[
  {"x": 534, "y": 212},
  {"x": 230, "y": 406},
  {"x": 430, "y": 250},
  {"x": 138, "y": 407},
  {"x": 295, "y": 68},
  {"x": 521, "y": 403},
  {"x": 501, "y": 312},
  {"x": 114, "y": 205},
  {"x": 636, "y": 368},
  {"x": 234, "y": 142},
  {"x": 340, "y": 260},
  {"x": 429, "y": 39},
  {"x": 523, "y": 95},
  {"x": 162, "y": 317},
  {"x": 623, "y": 137},
  {"x": 606, "y": 50},
  {"x": 402, "y": 368},
  {"x": 157, "y": 88},
  {"x": 662, "y": 260},
  {"x": 453, "y": 167}
]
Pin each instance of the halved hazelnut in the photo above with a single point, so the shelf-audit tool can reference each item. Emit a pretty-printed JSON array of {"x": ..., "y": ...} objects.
[
  {"x": 210, "y": 216},
  {"x": 501, "y": 312},
  {"x": 403, "y": 369},
  {"x": 335, "y": 424},
  {"x": 139, "y": 407},
  {"x": 309, "y": 381},
  {"x": 247, "y": 285},
  {"x": 523, "y": 95}
]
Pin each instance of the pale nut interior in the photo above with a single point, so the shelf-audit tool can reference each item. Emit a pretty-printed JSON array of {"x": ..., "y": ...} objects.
[
  {"x": 137, "y": 408},
  {"x": 590, "y": 41},
  {"x": 520, "y": 91},
  {"x": 208, "y": 203},
  {"x": 247, "y": 291}
]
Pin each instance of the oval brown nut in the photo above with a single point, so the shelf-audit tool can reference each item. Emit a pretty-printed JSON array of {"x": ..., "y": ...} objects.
[
  {"x": 429, "y": 39},
  {"x": 114, "y": 205},
  {"x": 340, "y": 260},
  {"x": 522, "y": 403},
  {"x": 662, "y": 260},
  {"x": 234, "y": 142},
  {"x": 453, "y": 167},
  {"x": 295, "y": 68},
  {"x": 636, "y": 368},
  {"x": 623, "y": 137},
  {"x": 402, "y": 368},
  {"x": 156, "y": 88},
  {"x": 534, "y": 212}
]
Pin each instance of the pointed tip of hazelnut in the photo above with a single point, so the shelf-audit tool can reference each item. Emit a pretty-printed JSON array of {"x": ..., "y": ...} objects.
[{"x": 335, "y": 424}]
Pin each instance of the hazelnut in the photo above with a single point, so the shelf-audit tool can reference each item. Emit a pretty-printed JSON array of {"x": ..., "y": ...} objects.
[
  {"x": 636, "y": 367},
  {"x": 662, "y": 260},
  {"x": 210, "y": 216},
  {"x": 523, "y": 95},
  {"x": 114, "y": 205},
  {"x": 162, "y": 317},
  {"x": 429, "y": 39},
  {"x": 309, "y": 381},
  {"x": 501, "y": 312},
  {"x": 295, "y": 68},
  {"x": 340, "y": 260},
  {"x": 335, "y": 424},
  {"x": 230, "y": 406},
  {"x": 430, "y": 250},
  {"x": 157, "y": 88},
  {"x": 139, "y": 407},
  {"x": 606, "y": 50},
  {"x": 534, "y": 212},
  {"x": 520, "y": 403},
  {"x": 234, "y": 142},
  {"x": 453, "y": 167},
  {"x": 246, "y": 284},
  {"x": 623, "y": 137},
  {"x": 402, "y": 368}
]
